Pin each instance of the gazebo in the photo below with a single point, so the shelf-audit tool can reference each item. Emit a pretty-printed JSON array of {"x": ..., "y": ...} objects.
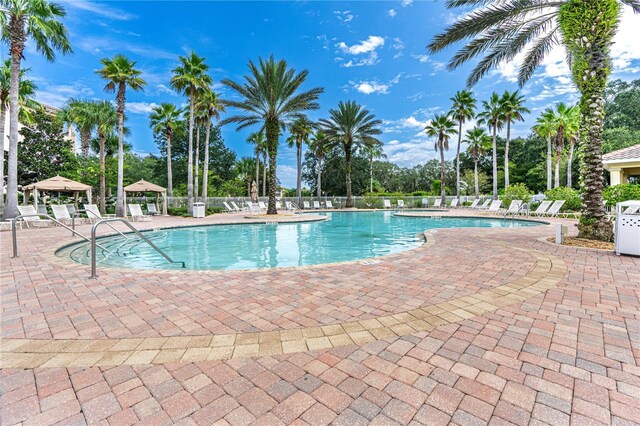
[
  {"x": 56, "y": 184},
  {"x": 622, "y": 164},
  {"x": 144, "y": 186}
]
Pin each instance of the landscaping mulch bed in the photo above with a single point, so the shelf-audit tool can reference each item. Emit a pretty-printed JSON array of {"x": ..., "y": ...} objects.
[{"x": 584, "y": 243}]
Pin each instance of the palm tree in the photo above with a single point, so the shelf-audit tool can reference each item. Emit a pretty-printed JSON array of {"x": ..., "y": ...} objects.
[
  {"x": 164, "y": 119},
  {"x": 257, "y": 138},
  {"x": 462, "y": 110},
  {"x": 300, "y": 130},
  {"x": 21, "y": 20},
  {"x": 500, "y": 30},
  {"x": 442, "y": 128},
  {"x": 512, "y": 109},
  {"x": 120, "y": 73},
  {"x": 78, "y": 112},
  {"x": 189, "y": 78},
  {"x": 351, "y": 127},
  {"x": 544, "y": 127},
  {"x": 373, "y": 152},
  {"x": 492, "y": 115},
  {"x": 573, "y": 135},
  {"x": 271, "y": 99},
  {"x": 562, "y": 123},
  {"x": 319, "y": 146},
  {"x": 479, "y": 142},
  {"x": 25, "y": 95},
  {"x": 106, "y": 119},
  {"x": 211, "y": 106}
]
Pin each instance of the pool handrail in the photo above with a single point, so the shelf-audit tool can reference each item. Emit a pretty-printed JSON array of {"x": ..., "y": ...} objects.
[{"x": 94, "y": 228}]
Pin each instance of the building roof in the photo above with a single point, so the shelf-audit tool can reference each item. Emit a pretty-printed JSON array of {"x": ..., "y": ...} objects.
[
  {"x": 144, "y": 186},
  {"x": 57, "y": 183},
  {"x": 625, "y": 154}
]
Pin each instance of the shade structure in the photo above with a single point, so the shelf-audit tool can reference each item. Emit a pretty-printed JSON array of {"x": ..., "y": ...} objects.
[
  {"x": 144, "y": 186},
  {"x": 56, "y": 184}
]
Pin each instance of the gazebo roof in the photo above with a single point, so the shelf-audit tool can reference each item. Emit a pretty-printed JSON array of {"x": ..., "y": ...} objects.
[
  {"x": 144, "y": 186},
  {"x": 57, "y": 183},
  {"x": 631, "y": 153}
]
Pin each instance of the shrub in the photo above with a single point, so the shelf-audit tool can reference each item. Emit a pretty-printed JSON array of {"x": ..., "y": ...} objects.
[
  {"x": 571, "y": 197},
  {"x": 372, "y": 201},
  {"x": 518, "y": 191},
  {"x": 618, "y": 193}
]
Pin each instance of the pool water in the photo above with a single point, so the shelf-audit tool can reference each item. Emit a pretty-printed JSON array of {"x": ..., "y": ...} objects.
[{"x": 342, "y": 237}]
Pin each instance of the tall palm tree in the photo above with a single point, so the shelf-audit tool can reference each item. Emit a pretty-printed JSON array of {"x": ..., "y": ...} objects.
[
  {"x": 106, "y": 118},
  {"x": 25, "y": 95},
  {"x": 21, "y": 20},
  {"x": 211, "y": 106},
  {"x": 272, "y": 100},
  {"x": 164, "y": 119},
  {"x": 492, "y": 115},
  {"x": 350, "y": 127},
  {"x": 257, "y": 139},
  {"x": 189, "y": 78},
  {"x": 512, "y": 109},
  {"x": 500, "y": 30},
  {"x": 442, "y": 128},
  {"x": 462, "y": 110},
  {"x": 562, "y": 123},
  {"x": 120, "y": 72},
  {"x": 319, "y": 146},
  {"x": 78, "y": 112},
  {"x": 573, "y": 135},
  {"x": 300, "y": 130},
  {"x": 544, "y": 127},
  {"x": 479, "y": 143},
  {"x": 373, "y": 152}
]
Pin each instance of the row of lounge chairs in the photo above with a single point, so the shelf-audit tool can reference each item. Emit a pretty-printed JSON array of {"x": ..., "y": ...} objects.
[
  {"x": 232, "y": 207},
  {"x": 66, "y": 213}
]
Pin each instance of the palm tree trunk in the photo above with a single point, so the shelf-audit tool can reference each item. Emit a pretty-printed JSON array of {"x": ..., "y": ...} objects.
[
  {"x": 557, "y": 179},
  {"x": 190, "y": 156},
  {"x": 458, "y": 160},
  {"x": 169, "y": 171},
  {"x": 103, "y": 183},
  {"x": 443, "y": 192},
  {"x": 205, "y": 171},
  {"x": 347, "y": 155},
  {"x": 17, "y": 37},
  {"x": 569, "y": 165},
  {"x": 3, "y": 115},
  {"x": 549, "y": 166},
  {"x": 495, "y": 163},
  {"x": 197, "y": 165},
  {"x": 85, "y": 142},
  {"x": 264, "y": 173},
  {"x": 299, "y": 171},
  {"x": 257, "y": 169},
  {"x": 319, "y": 179},
  {"x": 120, "y": 102},
  {"x": 272, "y": 133},
  {"x": 506, "y": 155},
  {"x": 475, "y": 178},
  {"x": 371, "y": 174}
]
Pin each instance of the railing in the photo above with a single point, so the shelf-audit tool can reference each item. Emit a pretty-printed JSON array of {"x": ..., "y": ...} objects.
[
  {"x": 14, "y": 230},
  {"x": 134, "y": 230}
]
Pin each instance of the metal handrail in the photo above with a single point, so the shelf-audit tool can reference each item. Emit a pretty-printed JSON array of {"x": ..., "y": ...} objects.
[
  {"x": 133, "y": 229},
  {"x": 88, "y": 212},
  {"x": 14, "y": 230}
]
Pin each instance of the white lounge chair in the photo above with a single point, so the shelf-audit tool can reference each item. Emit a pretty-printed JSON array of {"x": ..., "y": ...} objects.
[
  {"x": 454, "y": 203},
  {"x": 401, "y": 204},
  {"x": 494, "y": 207},
  {"x": 475, "y": 203},
  {"x": 554, "y": 210},
  {"x": 542, "y": 208},
  {"x": 227, "y": 207},
  {"x": 514, "y": 207},
  {"x": 61, "y": 213},
  {"x": 235, "y": 206},
  {"x": 484, "y": 205},
  {"x": 93, "y": 213},
  {"x": 437, "y": 203},
  {"x": 136, "y": 213},
  {"x": 316, "y": 205},
  {"x": 151, "y": 209},
  {"x": 425, "y": 202},
  {"x": 32, "y": 219},
  {"x": 328, "y": 204},
  {"x": 386, "y": 204},
  {"x": 262, "y": 205},
  {"x": 306, "y": 205},
  {"x": 289, "y": 205}
]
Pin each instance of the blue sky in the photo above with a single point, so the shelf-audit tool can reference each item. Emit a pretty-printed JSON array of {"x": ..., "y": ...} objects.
[{"x": 372, "y": 52}]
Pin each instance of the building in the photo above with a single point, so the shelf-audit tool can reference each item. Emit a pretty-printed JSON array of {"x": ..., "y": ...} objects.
[
  {"x": 51, "y": 110},
  {"x": 623, "y": 164}
]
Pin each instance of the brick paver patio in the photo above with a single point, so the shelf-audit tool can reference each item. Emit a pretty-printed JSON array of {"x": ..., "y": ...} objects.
[{"x": 477, "y": 326}]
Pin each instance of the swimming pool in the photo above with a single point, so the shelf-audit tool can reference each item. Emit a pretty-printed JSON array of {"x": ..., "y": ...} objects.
[{"x": 342, "y": 237}]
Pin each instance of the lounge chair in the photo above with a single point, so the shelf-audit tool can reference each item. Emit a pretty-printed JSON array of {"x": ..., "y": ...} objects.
[
  {"x": 93, "y": 213},
  {"x": 228, "y": 208},
  {"x": 235, "y": 206},
  {"x": 151, "y": 209},
  {"x": 328, "y": 204},
  {"x": 289, "y": 205},
  {"x": 401, "y": 204},
  {"x": 32, "y": 219},
  {"x": 454, "y": 203},
  {"x": 262, "y": 205},
  {"x": 386, "y": 204},
  {"x": 316, "y": 205},
  {"x": 542, "y": 208},
  {"x": 632, "y": 210},
  {"x": 554, "y": 210},
  {"x": 484, "y": 205},
  {"x": 437, "y": 203},
  {"x": 475, "y": 203},
  {"x": 136, "y": 213},
  {"x": 514, "y": 207},
  {"x": 425, "y": 202},
  {"x": 494, "y": 207},
  {"x": 61, "y": 213},
  {"x": 306, "y": 205}
]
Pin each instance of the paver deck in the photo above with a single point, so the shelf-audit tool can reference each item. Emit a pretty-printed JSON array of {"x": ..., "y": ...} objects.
[{"x": 477, "y": 326}]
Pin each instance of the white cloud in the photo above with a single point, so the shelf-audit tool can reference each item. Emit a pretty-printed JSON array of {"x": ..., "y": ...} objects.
[
  {"x": 344, "y": 16},
  {"x": 57, "y": 95},
  {"x": 99, "y": 9},
  {"x": 163, "y": 88},
  {"x": 104, "y": 45},
  {"x": 392, "y": 13},
  {"x": 372, "y": 59},
  {"x": 407, "y": 3},
  {"x": 369, "y": 87},
  {"x": 365, "y": 46},
  {"x": 287, "y": 175},
  {"x": 436, "y": 66},
  {"x": 422, "y": 58},
  {"x": 398, "y": 46},
  {"x": 140, "y": 107}
]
